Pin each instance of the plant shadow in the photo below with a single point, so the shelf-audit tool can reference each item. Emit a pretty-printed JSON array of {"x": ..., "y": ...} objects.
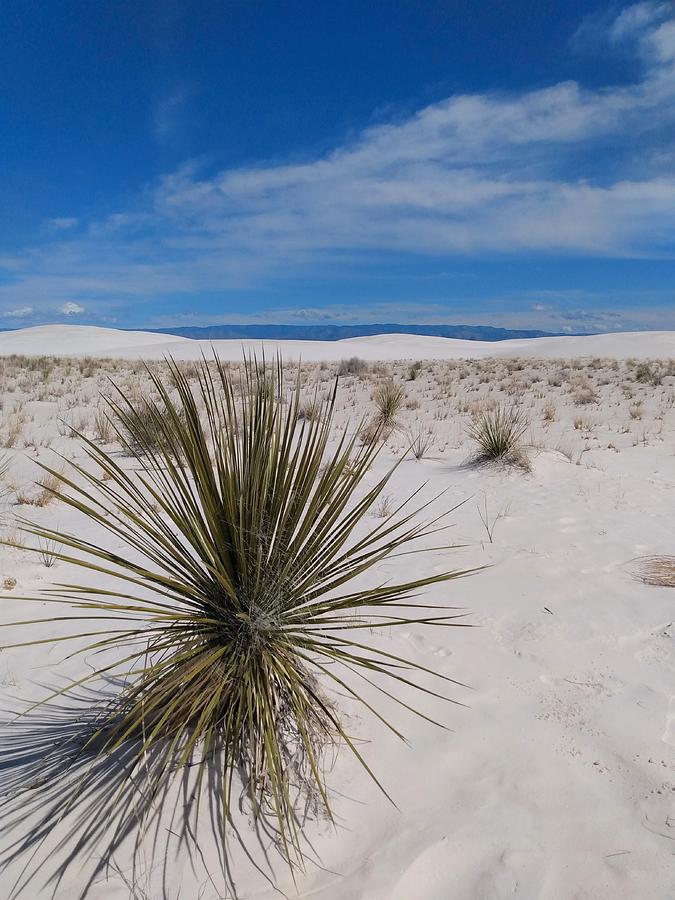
[{"x": 65, "y": 800}]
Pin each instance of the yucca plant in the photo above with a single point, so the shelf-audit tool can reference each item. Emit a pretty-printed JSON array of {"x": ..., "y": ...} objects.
[
  {"x": 230, "y": 608},
  {"x": 389, "y": 398},
  {"x": 498, "y": 434}
]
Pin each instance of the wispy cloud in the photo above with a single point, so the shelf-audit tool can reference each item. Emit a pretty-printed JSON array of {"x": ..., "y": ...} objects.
[
  {"x": 473, "y": 174},
  {"x": 169, "y": 112},
  {"x": 555, "y": 311},
  {"x": 62, "y": 223},
  {"x": 24, "y": 312},
  {"x": 71, "y": 309}
]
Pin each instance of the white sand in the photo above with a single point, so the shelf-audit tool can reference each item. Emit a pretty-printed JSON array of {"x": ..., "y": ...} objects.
[
  {"x": 85, "y": 340},
  {"x": 557, "y": 780}
]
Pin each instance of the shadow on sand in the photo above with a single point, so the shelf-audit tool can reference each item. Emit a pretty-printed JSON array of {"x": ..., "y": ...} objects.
[{"x": 63, "y": 803}]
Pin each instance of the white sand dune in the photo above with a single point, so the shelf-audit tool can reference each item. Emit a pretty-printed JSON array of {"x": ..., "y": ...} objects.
[
  {"x": 86, "y": 340},
  {"x": 557, "y": 780}
]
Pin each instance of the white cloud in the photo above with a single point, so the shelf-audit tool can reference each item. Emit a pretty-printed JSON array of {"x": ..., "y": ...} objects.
[
  {"x": 550, "y": 171},
  {"x": 633, "y": 21},
  {"x": 22, "y": 313},
  {"x": 71, "y": 309},
  {"x": 169, "y": 113},
  {"x": 63, "y": 223},
  {"x": 557, "y": 311}
]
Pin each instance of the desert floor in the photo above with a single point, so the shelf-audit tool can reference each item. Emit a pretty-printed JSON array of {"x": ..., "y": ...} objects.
[{"x": 556, "y": 778}]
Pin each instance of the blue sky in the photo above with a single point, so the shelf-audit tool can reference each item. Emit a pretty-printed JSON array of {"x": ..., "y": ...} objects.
[{"x": 174, "y": 163}]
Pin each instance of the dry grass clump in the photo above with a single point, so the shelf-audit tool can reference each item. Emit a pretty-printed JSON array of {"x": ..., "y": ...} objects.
[
  {"x": 414, "y": 370},
  {"x": 657, "y": 570},
  {"x": 498, "y": 433},
  {"x": 648, "y": 374},
  {"x": 549, "y": 413},
  {"x": 232, "y": 612},
  {"x": 142, "y": 429},
  {"x": 49, "y": 486},
  {"x": 103, "y": 428},
  {"x": 353, "y": 366},
  {"x": 373, "y": 432},
  {"x": 585, "y": 395},
  {"x": 421, "y": 442},
  {"x": 14, "y": 429},
  {"x": 310, "y": 410}
]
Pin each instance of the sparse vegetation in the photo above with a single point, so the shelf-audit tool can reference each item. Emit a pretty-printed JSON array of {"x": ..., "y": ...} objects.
[
  {"x": 353, "y": 366},
  {"x": 244, "y": 559},
  {"x": 614, "y": 428},
  {"x": 48, "y": 551},
  {"x": 414, "y": 370},
  {"x": 310, "y": 410},
  {"x": 647, "y": 374},
  {"x": 421, "y": 442},
  {"x": 102, "y": 426}
]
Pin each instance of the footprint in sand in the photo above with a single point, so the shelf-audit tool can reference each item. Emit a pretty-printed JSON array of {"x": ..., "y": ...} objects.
[{"x": 669, "y": 733}]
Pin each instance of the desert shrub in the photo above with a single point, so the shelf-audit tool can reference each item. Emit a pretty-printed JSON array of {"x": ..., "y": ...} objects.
[
  {"x": 232, "y": 612},
  {"x": 310, "y": 410},
  {"x": 373, "y": 432},
  {"x": 142, "y": 428},
  {"x": 498, "y": 434},
  {"x": 646, "y": 374},
  {"x": 585, "y": 395},
  {"x": 414, "y": 370},
  {"x": 353, "y": 366}
]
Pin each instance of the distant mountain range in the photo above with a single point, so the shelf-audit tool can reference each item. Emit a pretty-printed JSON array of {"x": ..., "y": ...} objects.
[{"x": 340, "y": 332}]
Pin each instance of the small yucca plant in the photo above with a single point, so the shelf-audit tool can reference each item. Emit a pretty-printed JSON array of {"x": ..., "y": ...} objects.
[
  {"x": 389, "y": 398},
  {"x": 235, "y": 541},
  {"x": 498, "y": 434}
]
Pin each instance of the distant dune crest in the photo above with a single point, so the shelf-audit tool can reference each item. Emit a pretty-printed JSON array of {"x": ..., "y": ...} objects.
[
  {"x": 335, "y": 332},
  {"x": 89, "y": 340}
]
